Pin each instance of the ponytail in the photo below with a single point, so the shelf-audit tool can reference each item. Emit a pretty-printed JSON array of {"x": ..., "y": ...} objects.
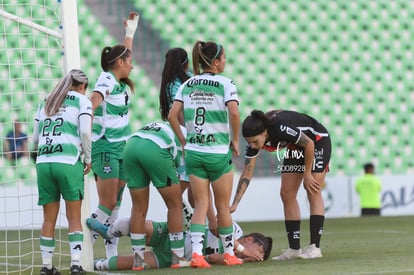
[
  {"x": 55, "y": 99},
  {"x": 111, "y": 54},
  {"x": 176, "y": 61},
  {"x": 204, "y": 53},
  {"x": 256, "y": 123}
]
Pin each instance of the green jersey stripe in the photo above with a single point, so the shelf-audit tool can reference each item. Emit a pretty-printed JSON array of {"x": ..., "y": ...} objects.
[
  {"x": 115, "y": 110},
  {"x": 58, "y": 139},
  {"x": 111, "y": 118},
  {"x": 117, "y": 134},
  {"x": 98, "y": 111},
  {"x": 161, "y": 134},
  {"x": 205, "y": 112}
]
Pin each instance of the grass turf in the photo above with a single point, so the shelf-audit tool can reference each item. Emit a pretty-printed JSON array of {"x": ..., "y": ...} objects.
[{"x": 366, "y": 245}]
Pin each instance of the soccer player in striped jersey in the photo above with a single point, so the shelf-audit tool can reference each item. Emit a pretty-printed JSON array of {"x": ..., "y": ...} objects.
[
  {"x": 209, "y": 103},
  {"x": 175, "y": 73},
  {"x": 110, "y": 100},
  {"x": 150, "y": 155},
  {"x": 62, "y": 133},
  {"x": 307, "y": 155}
]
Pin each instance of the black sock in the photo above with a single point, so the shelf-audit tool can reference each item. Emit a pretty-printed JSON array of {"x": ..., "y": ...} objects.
[
  {"x": 293, "y": 233},
  {"x": 316, "y": 229}
]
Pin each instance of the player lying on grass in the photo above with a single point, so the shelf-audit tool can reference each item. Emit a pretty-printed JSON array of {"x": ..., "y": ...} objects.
[{"x": 253, "y": 247}]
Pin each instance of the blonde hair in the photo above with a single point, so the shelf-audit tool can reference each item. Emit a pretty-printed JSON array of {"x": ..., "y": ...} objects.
[{"x": 55, "y": 99}]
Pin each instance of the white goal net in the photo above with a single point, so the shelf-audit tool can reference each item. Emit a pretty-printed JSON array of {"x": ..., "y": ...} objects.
[{"x": 33, "y": 55}]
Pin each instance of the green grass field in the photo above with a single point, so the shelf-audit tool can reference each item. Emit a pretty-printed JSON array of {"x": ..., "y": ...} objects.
[{"x": 369, "y": 245}]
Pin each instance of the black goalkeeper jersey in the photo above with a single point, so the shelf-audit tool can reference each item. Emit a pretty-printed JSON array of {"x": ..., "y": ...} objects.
[{"x": 286, "y": 129}]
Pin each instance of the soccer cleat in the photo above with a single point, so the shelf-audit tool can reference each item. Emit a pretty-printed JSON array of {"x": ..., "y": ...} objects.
[
  {"x": 138, "y": 268},
  {"x": 288, "y": 254},
  {"x": 99, "y": 264},
  {"x": 144, "y": 266},
  {"x": 98, "y": 227},
  {"x": 177, "y": 262},
  {"x": 181, "y": 263},
  {"x": 51, "y": 271},
  {"x": 198, "y": 261},
  {"x": 77, "y": 270},
  {"x": 232, "y": 260},
  {"x": 310, "y": 252}
]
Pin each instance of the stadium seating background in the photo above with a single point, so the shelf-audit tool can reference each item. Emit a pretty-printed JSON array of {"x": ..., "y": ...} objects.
[{"x": 347, "y": 63}]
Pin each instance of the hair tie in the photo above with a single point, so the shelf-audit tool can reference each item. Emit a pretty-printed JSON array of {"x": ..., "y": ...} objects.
[
  {"x": 218, "y": 51},
  {"x": 185, "y": 61},
  {"x": 123, "y": 52}
]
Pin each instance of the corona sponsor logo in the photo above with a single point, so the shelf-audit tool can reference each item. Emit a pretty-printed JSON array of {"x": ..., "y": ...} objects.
[{"x": 206, "y": 82}]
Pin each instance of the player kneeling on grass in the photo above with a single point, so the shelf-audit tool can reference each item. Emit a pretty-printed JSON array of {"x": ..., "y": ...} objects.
[{"x": 253, "y": 247}]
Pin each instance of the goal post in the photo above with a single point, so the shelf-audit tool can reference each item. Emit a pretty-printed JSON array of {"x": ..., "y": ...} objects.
[
  {"x": 39, "y": 43},
  {"x": 71, "y": 57},
  {"x": 70, "y": 35}
]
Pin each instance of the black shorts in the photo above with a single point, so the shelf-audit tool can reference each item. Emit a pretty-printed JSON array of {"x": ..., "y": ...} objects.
[
  {"x": 370, "y": 211},
  {"x": 294, "y": 158}
]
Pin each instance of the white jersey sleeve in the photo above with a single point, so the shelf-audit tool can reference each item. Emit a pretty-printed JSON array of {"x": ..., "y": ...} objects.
[{"x": 230, "y": 91}]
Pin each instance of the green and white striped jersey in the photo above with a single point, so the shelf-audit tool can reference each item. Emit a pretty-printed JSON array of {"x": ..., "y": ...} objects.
[
  {"x": 111, "y": 117},
  {"x": 161, "y": 134},
  {"x": 205, "y": 112},
  {"x": 58, "y": 136}
]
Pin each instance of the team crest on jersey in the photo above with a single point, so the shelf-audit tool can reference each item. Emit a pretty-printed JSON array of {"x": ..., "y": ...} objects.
[{"x": 107, "y": 168}]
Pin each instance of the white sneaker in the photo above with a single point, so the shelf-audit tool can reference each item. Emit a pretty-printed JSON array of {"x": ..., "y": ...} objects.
[
  {"x": 311, "y": 252},
  {"x": 288, "y": 254},
  {"x": 100, "y": 264},
  {"x": 177, "y": 262}
]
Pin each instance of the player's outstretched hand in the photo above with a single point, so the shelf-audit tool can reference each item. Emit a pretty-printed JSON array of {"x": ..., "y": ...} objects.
[{"x": 131, "y": 24}]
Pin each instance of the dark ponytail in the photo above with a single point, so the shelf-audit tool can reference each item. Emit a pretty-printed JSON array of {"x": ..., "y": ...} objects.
[
  {"x": 108, "y": 57},
  {"x": 176, "y": 62},
  {"x": 256, "y": 123}
]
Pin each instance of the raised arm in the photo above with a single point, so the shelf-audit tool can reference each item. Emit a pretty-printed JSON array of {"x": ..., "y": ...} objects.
[
  {"x": 244, "y": 181},
  {"x": 130, "y": 25}
]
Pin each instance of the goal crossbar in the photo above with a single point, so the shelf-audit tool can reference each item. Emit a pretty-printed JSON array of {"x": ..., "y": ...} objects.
[{"x": 30, "y": 24}]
